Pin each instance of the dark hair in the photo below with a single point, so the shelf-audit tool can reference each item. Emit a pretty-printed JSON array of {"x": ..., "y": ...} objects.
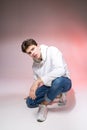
[{"x": 27, "y": 43}]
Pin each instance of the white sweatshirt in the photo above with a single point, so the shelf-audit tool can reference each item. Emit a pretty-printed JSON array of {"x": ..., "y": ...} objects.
[{"x": 51, "y": 66}]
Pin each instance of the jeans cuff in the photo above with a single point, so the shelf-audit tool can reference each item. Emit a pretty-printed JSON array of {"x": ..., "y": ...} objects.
[{"x": 47, "y": 99}]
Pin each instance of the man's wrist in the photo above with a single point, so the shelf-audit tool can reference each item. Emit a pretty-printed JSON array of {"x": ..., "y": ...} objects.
[{"x": 39, "y": 81}]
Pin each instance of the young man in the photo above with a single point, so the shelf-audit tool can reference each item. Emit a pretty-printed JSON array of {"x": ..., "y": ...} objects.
[{"x": 51, "y": 77}]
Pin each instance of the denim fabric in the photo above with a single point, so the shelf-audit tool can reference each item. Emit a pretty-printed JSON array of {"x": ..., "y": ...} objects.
[{"x": 47, "y": 93}]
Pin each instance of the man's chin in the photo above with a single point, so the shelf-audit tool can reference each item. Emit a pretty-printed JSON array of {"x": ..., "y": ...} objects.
[{"x": 36, "y": 59}]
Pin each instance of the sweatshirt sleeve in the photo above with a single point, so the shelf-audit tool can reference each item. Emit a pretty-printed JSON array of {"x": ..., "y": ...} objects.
[{"x": 57, "y": 63}]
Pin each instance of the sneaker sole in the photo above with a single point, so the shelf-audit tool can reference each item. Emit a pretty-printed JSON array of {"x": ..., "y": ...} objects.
[{"x": 39, "y": 120}]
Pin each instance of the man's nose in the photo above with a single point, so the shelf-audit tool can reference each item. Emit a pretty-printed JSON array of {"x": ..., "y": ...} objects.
[{"x": 32, "y": 53}]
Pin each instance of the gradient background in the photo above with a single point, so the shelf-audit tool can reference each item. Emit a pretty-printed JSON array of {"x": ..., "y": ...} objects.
[{"x": 62, "y": 23}]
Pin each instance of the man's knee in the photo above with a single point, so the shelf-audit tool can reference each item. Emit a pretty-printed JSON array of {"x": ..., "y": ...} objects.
[
  {"x": 63, "y": 82},
  {"x": 57, "y": 81},
  {"x": 69, "y": 84}
]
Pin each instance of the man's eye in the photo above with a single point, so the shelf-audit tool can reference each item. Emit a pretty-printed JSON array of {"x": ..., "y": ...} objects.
[
  {"x": 32, "y": 49},
  {"x": 29, "y": 53}
]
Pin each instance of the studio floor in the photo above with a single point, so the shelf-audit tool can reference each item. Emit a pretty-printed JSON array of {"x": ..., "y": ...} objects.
[{"x": 15, "y": 115}]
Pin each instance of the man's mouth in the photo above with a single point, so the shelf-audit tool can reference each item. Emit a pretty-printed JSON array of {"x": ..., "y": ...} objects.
[{"x": 35, "y": 56}]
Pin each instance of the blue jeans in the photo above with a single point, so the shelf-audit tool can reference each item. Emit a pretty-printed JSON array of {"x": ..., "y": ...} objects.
[{"x": 49, "y": 93}]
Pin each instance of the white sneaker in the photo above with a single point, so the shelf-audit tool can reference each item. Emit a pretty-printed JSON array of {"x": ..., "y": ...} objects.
[
  {"x": 42, "y": 113},
  {"x": 62, "y": 100}
]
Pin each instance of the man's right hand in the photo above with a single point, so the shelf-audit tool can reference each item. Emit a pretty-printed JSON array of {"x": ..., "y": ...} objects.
[{"x": 32, "y": 92}]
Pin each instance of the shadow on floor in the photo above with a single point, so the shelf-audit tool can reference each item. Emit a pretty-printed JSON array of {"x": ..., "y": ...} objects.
[{"x": 71, "y": 101}]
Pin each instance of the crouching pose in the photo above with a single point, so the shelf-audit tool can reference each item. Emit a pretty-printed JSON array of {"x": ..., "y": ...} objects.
[{"x": 51, "y": 77}]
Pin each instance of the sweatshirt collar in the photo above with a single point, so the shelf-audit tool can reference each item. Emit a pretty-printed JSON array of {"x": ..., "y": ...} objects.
[{"x": 44, "y": 51}]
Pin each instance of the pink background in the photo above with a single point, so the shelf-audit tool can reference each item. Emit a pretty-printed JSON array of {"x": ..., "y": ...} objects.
[{"x": 59, "y": 23}]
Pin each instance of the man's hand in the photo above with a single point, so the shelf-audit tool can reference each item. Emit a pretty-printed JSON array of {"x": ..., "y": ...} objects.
[
  {"x": 34, "y": 87},
  {"x": 33, "y": 90}
]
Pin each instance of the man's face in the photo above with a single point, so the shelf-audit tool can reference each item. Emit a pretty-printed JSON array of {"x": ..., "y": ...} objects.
[{"x": 34, "y": 52}]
